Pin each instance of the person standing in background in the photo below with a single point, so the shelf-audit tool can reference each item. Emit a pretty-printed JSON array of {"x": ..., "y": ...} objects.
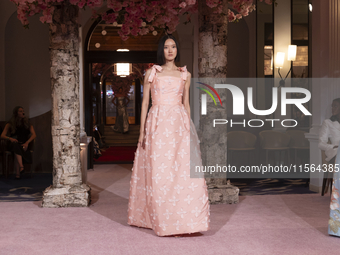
[
  {"x": 330, "y": 130},
  {"x": 122, "y": 120}
]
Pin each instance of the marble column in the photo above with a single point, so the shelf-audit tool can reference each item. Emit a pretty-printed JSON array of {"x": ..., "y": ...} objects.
[
  {"x": 67, "y": 189},
  {"x": 212, "y": 63}
]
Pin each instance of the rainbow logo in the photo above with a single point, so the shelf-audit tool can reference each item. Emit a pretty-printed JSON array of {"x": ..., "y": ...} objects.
[{"x": 208, "y": 92}]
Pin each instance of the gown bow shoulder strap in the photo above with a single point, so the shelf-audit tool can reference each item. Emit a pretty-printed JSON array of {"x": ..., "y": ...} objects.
[
  {"x": 184, "y": 72},
  {"x": 153, "y": 72}
]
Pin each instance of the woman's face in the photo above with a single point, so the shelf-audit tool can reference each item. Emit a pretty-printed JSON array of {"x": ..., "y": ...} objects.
[
  {"x": 21, "y": 113},
  {"x": 335, "y": 108},
  {"x": 170, "y": 50},
  {"x": 120, "y": 91}
]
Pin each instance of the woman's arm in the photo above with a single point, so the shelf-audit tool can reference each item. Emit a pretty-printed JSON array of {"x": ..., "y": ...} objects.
[
  {"x": 128, "y": 100},
  {"x": 186, "y": 94},
  {"x": 4, "y": 134},
  {"x": 113, "y": 100},
  {"x": 32, "y": 137}
]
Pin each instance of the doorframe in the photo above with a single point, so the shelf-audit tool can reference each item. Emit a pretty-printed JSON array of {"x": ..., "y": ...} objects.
[{"x": 108, "y": 57}]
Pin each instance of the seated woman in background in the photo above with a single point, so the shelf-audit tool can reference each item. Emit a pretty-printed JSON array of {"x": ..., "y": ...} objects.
[
  {"x": 330, "y": 129},
  {"x": 20, "y": 133}
]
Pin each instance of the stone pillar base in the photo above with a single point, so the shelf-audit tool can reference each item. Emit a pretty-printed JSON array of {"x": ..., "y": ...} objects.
[
  {"x": 223, "y": 194},
  {"x": 67, "y": 196}
]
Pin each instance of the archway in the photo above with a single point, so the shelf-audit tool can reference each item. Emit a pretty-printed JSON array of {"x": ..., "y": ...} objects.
[{"x": 100, "y": 49}]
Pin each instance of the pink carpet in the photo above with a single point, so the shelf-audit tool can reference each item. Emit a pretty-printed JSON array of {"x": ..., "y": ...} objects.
[{"x": 267, "y": 224}]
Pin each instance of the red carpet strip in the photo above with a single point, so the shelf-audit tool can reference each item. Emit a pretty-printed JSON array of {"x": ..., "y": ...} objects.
[{"x": 117, "y": 154}]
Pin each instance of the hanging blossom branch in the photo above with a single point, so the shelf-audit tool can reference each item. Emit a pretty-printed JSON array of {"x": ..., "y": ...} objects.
[
  {"x": 142, "y": 17},
  {"x": 138, "y": 17},
  {"x": 237, "y": 8}
]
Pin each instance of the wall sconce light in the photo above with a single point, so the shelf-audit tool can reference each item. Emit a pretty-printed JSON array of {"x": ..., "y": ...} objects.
[
  {"x": 292, "y": 52},
  {"x": 123, "y": 69},
  {"x": 280, "y": 56}
]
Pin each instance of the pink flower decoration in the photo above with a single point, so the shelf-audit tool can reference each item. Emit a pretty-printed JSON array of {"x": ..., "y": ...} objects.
[
  {"x": 183, "y": 5},
  {"x": 81, "y": 4},
  {"x": 231, "y": 16},
  {"x": 335, "y": 192},
  {"x": 144, "y": 31},
  {"x": 132, "y": 13},
  {"x": 334, "y": 204},
  {"x": 191, "y": 2}
]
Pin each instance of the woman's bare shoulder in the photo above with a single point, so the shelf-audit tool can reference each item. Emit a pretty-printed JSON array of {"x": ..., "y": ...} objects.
[{"x": 148, "y": 71}]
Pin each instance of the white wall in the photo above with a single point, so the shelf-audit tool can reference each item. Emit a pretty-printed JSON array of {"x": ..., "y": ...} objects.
[
  {"x": 7, "y": 8},
  {"x": 27, "y": 67},
  {"x": 25, "y": 62}
]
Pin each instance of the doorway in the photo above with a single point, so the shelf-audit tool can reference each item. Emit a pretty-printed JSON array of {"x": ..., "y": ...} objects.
[{"x": 103, "y": 49}]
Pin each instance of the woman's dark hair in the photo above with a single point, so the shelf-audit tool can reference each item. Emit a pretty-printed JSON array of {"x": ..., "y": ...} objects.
[
  {"x": 160, "y": 51},
  {"x": 15, "y": 121},
  {"x": 334, "y": 117}
]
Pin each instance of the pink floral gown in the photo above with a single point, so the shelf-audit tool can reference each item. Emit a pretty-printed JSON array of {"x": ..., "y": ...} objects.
[
  {"x": 163, "y": 197},
  {"x": 334, "y": 219}
]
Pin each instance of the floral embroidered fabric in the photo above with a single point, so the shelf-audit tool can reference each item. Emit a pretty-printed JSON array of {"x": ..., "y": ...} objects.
[
  {"x": 334, "y": 219},
  {"x": 163, "y": 197}
]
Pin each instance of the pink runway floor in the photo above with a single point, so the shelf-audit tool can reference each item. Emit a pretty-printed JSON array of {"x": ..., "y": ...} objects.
[{"x": 268, "y": 224}]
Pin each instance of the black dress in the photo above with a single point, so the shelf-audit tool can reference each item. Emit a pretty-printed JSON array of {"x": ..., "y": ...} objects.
[{"x": 22, "y": 134}]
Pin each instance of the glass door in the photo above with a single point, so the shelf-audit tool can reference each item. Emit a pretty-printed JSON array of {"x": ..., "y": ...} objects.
[{"x": 110, "y": 107}]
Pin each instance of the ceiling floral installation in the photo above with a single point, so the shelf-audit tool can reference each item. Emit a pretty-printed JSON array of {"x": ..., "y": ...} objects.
[{"x": 136, "y": 17}]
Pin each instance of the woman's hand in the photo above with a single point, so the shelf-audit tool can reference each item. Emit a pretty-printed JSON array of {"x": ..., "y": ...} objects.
[
  {"x": 141, "y": 141},
  {"x": 25, "y": 146},
  {"x": 12, "y": 140}
]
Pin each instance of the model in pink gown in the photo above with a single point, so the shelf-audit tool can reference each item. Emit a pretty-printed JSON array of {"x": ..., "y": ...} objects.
[{"x": 163, "y": 197}]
